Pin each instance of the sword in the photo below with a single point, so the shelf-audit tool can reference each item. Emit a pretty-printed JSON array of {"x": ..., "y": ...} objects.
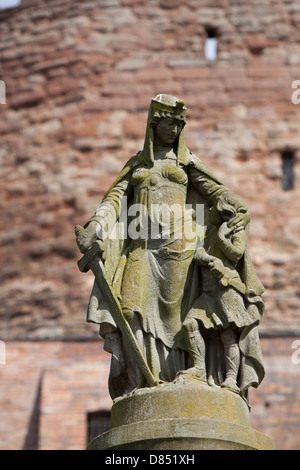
[{"x": 92, "y": 260}]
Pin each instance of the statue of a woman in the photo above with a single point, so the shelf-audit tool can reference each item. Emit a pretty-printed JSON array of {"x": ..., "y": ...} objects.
[{"x": 149, "y": 230}]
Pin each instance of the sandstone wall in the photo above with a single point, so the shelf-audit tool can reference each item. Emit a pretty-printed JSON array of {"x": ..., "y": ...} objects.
[
  {"x": 79, "y": 78},
  {"x": 47, "y": 391}
]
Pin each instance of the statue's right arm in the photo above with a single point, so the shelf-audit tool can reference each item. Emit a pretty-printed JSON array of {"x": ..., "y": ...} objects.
[
  {"x": 102, "y": 222},
  {"x": 204, "y": 181}
]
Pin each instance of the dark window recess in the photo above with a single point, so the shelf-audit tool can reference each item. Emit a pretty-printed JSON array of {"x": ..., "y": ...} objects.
[
  {"x": 211, "y": 32},
  {"x": 97, "y": 423},
  {"x": 211, "y": 43},
  {"x": 287, "y": 170}
]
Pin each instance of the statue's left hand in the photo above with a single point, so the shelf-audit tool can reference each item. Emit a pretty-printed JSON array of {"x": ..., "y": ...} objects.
[
  {"x": 225, "y": 230},
  {"x": 217, "y": 268},
  {"x": 239, "y": 221}
]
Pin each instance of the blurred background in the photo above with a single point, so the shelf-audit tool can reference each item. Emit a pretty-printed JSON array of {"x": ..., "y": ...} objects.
[{"x": 76, "y": 80}]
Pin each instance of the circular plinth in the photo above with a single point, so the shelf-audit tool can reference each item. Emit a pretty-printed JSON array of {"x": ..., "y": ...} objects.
[{"x": 181, "y": 416}]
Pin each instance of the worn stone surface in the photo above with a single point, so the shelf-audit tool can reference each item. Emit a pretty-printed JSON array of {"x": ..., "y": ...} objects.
[
  {"x": 182, "y": 434},
  {"x": 183, "y": 416},
  {"x": 183, "y": 399}
]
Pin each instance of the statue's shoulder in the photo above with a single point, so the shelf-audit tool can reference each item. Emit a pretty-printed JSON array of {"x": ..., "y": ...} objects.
[
  {"x": 129, "y": 166},
  {"x": 132, "y": 163},
  {"x": 192, "y": 161}
]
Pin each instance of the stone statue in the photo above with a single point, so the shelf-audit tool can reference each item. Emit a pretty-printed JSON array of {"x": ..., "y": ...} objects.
[{"x": 176, "y": 297}]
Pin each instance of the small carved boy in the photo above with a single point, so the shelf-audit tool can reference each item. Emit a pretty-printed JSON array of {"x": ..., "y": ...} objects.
[{"x": 221, "y": 305}]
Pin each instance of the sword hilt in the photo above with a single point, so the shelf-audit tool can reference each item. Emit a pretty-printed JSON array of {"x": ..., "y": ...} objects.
[{"x": 84, "y": 263}]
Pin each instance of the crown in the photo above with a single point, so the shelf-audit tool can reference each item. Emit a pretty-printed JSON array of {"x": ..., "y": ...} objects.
[{"x": 169, "y": 104}]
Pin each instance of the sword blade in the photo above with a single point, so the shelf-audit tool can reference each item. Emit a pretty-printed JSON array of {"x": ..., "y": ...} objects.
[{"x": 90, "y": 260}]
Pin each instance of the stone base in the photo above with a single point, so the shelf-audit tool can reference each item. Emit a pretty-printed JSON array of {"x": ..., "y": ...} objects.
[{"x": 186, "y": 415}]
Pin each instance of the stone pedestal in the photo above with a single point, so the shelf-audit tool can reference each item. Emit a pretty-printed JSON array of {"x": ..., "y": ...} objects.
[{"x": 187, "y": 415}]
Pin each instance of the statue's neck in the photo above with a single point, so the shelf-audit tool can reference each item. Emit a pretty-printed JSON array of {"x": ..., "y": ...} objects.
[{"x": 163, "y": 151}]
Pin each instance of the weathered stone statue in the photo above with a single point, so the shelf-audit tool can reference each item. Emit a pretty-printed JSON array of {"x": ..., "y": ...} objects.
[{"x": 175, "y": 293}]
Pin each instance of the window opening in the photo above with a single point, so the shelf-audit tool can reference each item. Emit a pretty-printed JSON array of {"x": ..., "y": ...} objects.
[
  {"x": 98, "y": 422},
  {"x": 287, "y": 170},
  {"x": 211, "y": 43},
  {"x": 6, "y": 4}
]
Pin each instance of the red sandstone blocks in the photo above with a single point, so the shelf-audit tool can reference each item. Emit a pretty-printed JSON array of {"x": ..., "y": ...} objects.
[
  {"x": 258, "y": 69},
  {"x": 26, "y": 99},
  {"x": 170, "y": 4},
  {"x": 133, "y": 127},
  {"x": 258, "y": 42},
  {"x": 69, "y": 64},
  {"x": 154, "y": 74}
]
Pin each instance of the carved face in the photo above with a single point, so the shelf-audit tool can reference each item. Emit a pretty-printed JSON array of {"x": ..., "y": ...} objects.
[{"x": 167, "y": 130}]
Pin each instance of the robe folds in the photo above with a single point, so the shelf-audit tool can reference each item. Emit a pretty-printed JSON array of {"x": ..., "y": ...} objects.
[
  {"x": 154, "y": 276},
  {"x": 157, "y": 280}
]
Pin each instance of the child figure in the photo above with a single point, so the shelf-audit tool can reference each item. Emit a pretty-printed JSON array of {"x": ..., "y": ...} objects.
[{"x": 221, "y": 306}]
